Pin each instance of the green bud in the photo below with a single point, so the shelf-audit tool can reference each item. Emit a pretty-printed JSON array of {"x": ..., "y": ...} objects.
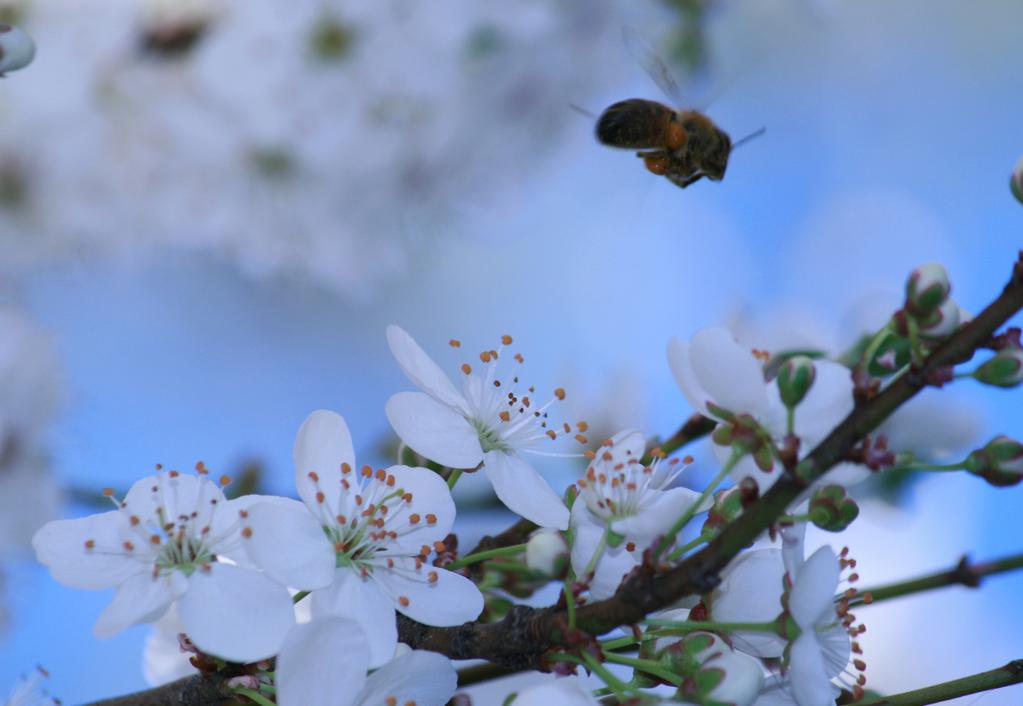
[
  {"x": 1000, "y": 462},
  {"x": 795, "y": 377},
  {"x": 1016, "y": 181},
  {"x": 832, "y": 509},
  {"x": 728, "y": 505},
  {"x": 547, "y": 553},
  {"x": 943, "y": 321},
  {"x": 926, "y": 289},
  {"x": 1005, "y": 369}
]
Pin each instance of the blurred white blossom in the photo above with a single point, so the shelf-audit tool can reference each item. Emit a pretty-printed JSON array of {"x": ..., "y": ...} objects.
[{"x": 329, "y": 142}]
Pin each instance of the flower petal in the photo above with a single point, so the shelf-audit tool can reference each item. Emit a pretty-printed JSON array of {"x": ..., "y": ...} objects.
[
  {"x": 611, "y": 569},
  {"x": 419, "y": 677},
  {"x": 318, "y": 657},
  {"x": 586, "y": 534},
  {"x": 140, "y": 599},
  {"x": 523, "y": 491},
  {"x": 428, "y": 594},
  {"x": 234, "y": 613},
  {"x": 846, "y": 473},
  {"x": 322, "y": 444},
  {"x": 810, "y": 684},
  {"x": 564, "y": 692},
  {"x": 421, "y": 370},
  {"x": 289, "y": 545},
  {"x": 628, "y": 443},
  {"x": 431, "y": 500},
  {"x": 828, "y": 402},
  {"x": 434, "y": 430},
  {"x": 658, "y": 515},
  {"x": 730, "y": 375},
  {"x": 750, "y": 591},
  {"x": 682, "y": 369},
  {"x": 812, "y": 596},
  {"x": 360, "y": 599},
  {"x": 60, "y": 546}
]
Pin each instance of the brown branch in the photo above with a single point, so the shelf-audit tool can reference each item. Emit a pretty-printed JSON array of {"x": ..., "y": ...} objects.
[
  {"x": 1007, "y": 675},
  {"x": 188, "y": 691}
]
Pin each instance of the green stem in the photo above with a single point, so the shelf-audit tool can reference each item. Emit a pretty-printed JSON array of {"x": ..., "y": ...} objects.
[
  {"x": 675, "y": 554},
  {"x": 299, "y": 596},
  {"x": 962, "y": 574},
  {"x": 617, "y": 685},
  {"x": 484, "y": 555},
  {"x": 1011, "y": 673},
  {"x": 790, "y": 420},
  {"x": 681, "y": 522},
  {"x": 569, "y": 601},
  {"x": 673, "y": 627},
  {"x": 645, "y": 665},
  {"x": 456, "y": 473},
  {"x": 918, "y": 466},
  {"x": 871, "y": 350},
  {"x": 597, "y": 553},
  {"x": 254, "y": 696},
  {"x": 619, "y": 642}
]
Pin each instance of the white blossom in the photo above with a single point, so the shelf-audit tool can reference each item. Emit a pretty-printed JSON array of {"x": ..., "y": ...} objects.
[
  {"x": 324, "y": 663},
  {"x": 164, "y": 544},
  {"x": 492, "y": 421},
  {"x": 360, "y": 538},
  {"x": 28, "y": 692}
]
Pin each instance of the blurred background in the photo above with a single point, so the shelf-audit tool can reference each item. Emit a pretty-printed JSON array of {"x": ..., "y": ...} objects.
[{"x": 210, "y": 210}]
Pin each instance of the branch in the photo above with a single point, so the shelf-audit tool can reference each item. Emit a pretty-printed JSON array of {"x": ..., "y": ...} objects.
[
  {"x": 188, "y": 691},
  {"x": 521, "y": 638},
  {"x": 962, "y": 574},
  {"x": 1011, "y": 673}
]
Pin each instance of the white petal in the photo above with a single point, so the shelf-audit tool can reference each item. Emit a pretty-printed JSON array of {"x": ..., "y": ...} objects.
[
  {"x": 322, "y": 663},
  {"x": 657, "y": 516},
  {"x": 730, "y": 375},
  {"x": 289, "y": 545},
  {"x": 810, "y": 684},
  {"x": 682, "y": 369},
  {"x": 140, "y": 599},
  {"x": 322, "y": 444},
  {"x": 178, "y": 494},
  {"x": 430, "y": 496},
  {"x": 421, "y": 370},
  {"x": 778, "y": 693},
  {"x": 434, "y": 430},
  {"x": 827, "y": 403},
  {"x": 614, "y": 564},
  {"x": 744, "y": 677},
  {"x": 750, "y": 591},
  {"x": 586, "y": 534},
  {"x": 60, "y": 546},
  {"x": 792, "y": 542},
  {"x": 360, "y": 599},
  {"x": 523, "y": 491},
  {"x": 234, "y": 613},
  {"x": 449, "y": 599},
  {"x": 569, "y": 691},
  {"x": 162, "y": 658},
  {"x": 813, "y": 594},
  {"x": 419, "y": 677},
  {"x": 846, "y": 474},
  {"x": 628, "y": 443}
]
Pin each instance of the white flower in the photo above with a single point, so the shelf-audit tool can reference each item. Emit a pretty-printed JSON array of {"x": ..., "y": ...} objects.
[
  {"x": 568, "y": 691},
  {"x": 360, "y": 541},
  {"x": 163, "y": 659},
  {"x": 546, "y": 551},
  {"x": 741, "y": 676},
  {"x": 162, "y": 545},
  {"x": 619, "y": 494},
  {"x": 490, "y": 422},
  {"x": 822, "y": 650},
  {"x": 714, "y": 369},
  {"x": 27, "y": 692},
  {"x": 324, "y": 663}
]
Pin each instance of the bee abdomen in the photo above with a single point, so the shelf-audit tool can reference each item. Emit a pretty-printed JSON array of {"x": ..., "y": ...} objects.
[{"x": 634, "y": 123}]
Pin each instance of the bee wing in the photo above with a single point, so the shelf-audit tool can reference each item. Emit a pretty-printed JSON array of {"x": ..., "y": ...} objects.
[{"x": 654, "y": 66}]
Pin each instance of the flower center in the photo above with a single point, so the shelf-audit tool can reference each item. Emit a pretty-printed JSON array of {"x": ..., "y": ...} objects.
[{"x": 617, "y": 485}]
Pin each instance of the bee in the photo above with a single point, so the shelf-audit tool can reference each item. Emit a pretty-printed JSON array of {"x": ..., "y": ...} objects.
[{"x": 682, "y": 145}]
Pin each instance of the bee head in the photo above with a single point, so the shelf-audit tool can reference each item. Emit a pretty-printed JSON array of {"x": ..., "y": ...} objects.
[{"x": 717, "y": 155}]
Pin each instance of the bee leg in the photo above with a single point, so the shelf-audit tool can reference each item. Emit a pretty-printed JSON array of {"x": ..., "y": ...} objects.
[
  {"x": 656, "y": 161},
  {"x": 684, "y": 181}
]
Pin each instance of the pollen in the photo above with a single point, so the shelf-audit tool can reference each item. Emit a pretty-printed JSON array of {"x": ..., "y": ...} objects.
[
  {"x": 581, "y": 439},
  {"x": 90, "y": 544},
  {"x": 432, "y": 577},
  {"x": 108, "y": 492},
  {"x": 582, "y": 427},
  {"x": 246, "y": 532},
  {"x": 314, "y": 477},
  {"x": 431, "y": 519},
  {"x": 455, "y": 343},
  {"x": 485, "y": 357},
  {"x": 505, "y": 417},
  {"x": 346, "y": 467},
  {"x": 225, "y": 481},
  {"x": 560, "y": 393},
  {"x": 367, "y": 471},
  {"x": 518, "y": 358},
  {"x": 404, "y": 601},
  {"x": 413, "y": 519},
  {"x": 320, "y": 497},
  {"x": 466, "y": 368},
  {"x": 551, "y": 433}
]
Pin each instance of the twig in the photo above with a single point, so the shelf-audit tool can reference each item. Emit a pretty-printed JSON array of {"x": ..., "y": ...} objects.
[{"x": 1011, "y": 673}]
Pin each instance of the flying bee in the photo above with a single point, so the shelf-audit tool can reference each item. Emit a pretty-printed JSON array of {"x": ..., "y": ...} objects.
[{"x": 682, "y": 145}]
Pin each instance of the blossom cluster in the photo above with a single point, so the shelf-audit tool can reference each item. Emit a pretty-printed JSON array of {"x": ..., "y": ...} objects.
[{"x": 295, "y": 594}]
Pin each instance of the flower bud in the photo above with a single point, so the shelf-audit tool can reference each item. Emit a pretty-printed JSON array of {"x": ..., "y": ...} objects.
[
  {"x": 795, "y": 377},
  {"x": 1016, "y": 181},
  {"x": 1005, "y": 369},
  {"x": 547, "y": 552},
  {"x": 16, "y": 48},
  {"x": 926, "y": 289},
  {"x": 1000, "y": 462},
  {"x": 943, "y": 321},
  {"x": 741, "y": 681},
  {"x": 832, "y": 509}
]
